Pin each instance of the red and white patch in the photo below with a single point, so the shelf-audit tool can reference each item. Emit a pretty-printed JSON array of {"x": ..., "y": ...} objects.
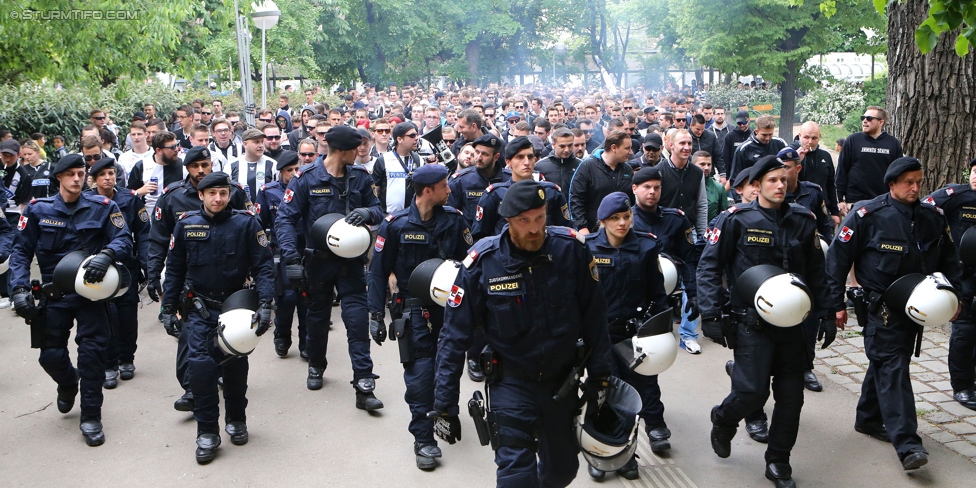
[
  {"x": 470, "y": 258},
  {"x": 288, "y": 196},
  {"x": 389, "y": 217},
  {"x": 845, "y": 234},
  {"x": 22, "y": 223},
  {"x": 479, "y": 214},
  {"x": 861, "y": 212},
  {"x": 106, "y": 200},
  {"x": 490, "y": 188},
  {"x": 950, "y": 191},
  {"x": 457, "y": 293},
  {"x": 172, "y": 242},
  {"x": 158, "y": 213},
  {"x": 680, "y": 212},
  {"x": 380, "y": 242},
  {"x": 929, "y": 200},
  {"x": 257, "y": 208},
  {"x": 713, "y": 237},
  {"x": 732, "y": 209}
]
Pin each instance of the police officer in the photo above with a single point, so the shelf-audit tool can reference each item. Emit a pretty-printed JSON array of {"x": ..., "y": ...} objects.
[
  {"x": 50, "y": 228},
  {"x": 125, "y": 308},
  {"x": 334, "y": 185},
  {"x": 766, "y": 231},
  {"x": 885, "y": 238},
  {"x": 214, "y": 250},
  {"x": 176, "y": 200},
  {"x": 958, "y": 201},
  {"x": 287, "y": 298},
  {"x": 521, "y": 159},
  {"x": 427, "y": 229},
  {"x": 535, "y": 291},
  {"x": 633, "y": 284}
]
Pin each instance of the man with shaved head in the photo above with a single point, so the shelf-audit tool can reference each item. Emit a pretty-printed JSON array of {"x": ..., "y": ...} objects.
[{"x": 817, "y": 165}]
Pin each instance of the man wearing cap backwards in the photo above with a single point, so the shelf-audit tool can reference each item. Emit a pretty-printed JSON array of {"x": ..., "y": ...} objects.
[
  {"x": 521, "y": 158},
  {"x": 885, "y": 238},
  {"x": 767, "y": 231},
  {"x": 259, "y": 169},
  {"x": 214, "y": 250},
  {"x": 426, "y": 229},
  {"x": 634, "y": 286},
  {"x": 287, "y": 298},
  {"x": 124, "y": 309},
  {"x": 535, "y": 291},
  {"x": 958, "y": 201},
  {"x": 468, "y": 185},
  {"x": 50, "y": 228},
  {"x": 393, "y": 169},
  {"x": 335, "y": 185},
  {"x": 176, "y": 200}
]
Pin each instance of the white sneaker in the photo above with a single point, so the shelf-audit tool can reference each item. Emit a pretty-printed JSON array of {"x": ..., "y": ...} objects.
[
  {"x": 5, "y": 302},
  {"x": 691, "y": 346}
]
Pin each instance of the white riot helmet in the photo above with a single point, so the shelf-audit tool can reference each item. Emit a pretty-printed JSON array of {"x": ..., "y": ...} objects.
[
  {"x": 670, "y": 272},
  {"x": 332, "y": 232},
  {"x": 607, "y": 432},
  {"x": 236, "y": 325},
  {"x": 431, "y": 281},
  {"x": 823, "y": 246},
  {"x": 654, "y": 349},
  {"x": 927, "y": 300},
  {"x": 782, "y": 299},
  {"x": 69, "y": 277}
]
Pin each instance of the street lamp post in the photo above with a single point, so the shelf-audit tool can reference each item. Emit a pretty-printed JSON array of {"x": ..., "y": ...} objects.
[{"x": 265, "y": 15}]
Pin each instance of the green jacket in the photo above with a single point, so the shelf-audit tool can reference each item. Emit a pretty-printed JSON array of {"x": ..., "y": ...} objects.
[{"x": 717, "y": 197}]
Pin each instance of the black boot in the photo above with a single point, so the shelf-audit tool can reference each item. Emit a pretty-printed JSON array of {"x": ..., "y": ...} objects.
[
  {"x": 811, "y": 382},
  {"x": 314, "y": 381},
  {"x": 127, "y": 371},
  {"x": 365, "y": 399},
  {"x": 237, "y": 432},
  {"x": 594, "y": 473},
  {"x": 781, "y": 474},
  {"x": 721, "y": 436},
  {"x": 66, "y": 396},
  {"x": 475, "y": 372},
  {"x": 758, "y": 430},
  {"x": 185, "y": 403},
  {"x": 426, "y": 455},
  {"x": 92, "y": 430},
  {"x": 281, "y": 347},
  {"x": 111, "y": 379},
  {"x": 658, "y": 438},
  {"x": 207, "y": 445},
  {"x": 630, "y": 470}
]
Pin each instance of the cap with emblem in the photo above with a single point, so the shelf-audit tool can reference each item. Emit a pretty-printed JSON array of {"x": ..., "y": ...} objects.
[
  {"x": 10, "y": 146},
  {"x": 196, "y": 154},
  {"x": 101, "y": 164},
  {"x": 403, "y": 128},
  {"x": 286, "y": 159},
  {"x": 70, "y": 161},
  {"x": 765, "y": 165},
  {"x": 742, "y": 117},
  {"x": 490, "y": 141},
  {"x": 901, "y": 165},
  {"x": 429, "y": 174},
  {"x": 252, "y": 134},
  {"x": 343, "y": 138},
  {"x": 743, "y": 177},
  {"x": 217, "y": 179},
  {"x": 522, "y": 196},
  {"x": 646, "y": 174},
  {"x": 653, "y": 141},
  {"x": 617, "y": 201},
  {"x": 788, "y": 154},
  {"x": 515, "y": 145}
]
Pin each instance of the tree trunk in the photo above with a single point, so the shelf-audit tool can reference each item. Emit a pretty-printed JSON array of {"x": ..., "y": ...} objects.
[
  {"x": 930, "y": 98},
  {"x": 787, "y": 107},
  {"x": 472, "y": 53}
]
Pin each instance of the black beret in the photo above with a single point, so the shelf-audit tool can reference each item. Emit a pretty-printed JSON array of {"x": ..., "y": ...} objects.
[
  {"x": 403, "y": 128},
  {"x": 490, "y": 141},
  {"x": 286, "y": 159},
  {"x": 521, "y": 196},
  {"x": 70, "y": 161},
  {"x": 98, "y": 166},
  {"x": 516, "y": 145},
  {"x": 788, "y": 154},
  {"x": 901, "y": 165},
  {"x": 617, "y": 201},
  {"x": 742, "y": 177},
  {"x": 429, "y": 174},
  {"x": 646, "y": 174},
  {"x": 765, "y": 165},
  {"x": 343, "y": 138},
  {"x": 196, "y": 154},
  {"x": 217, "y": 179}
]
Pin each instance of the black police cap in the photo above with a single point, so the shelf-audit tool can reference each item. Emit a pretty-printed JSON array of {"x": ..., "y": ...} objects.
[
  {"x": 617, "y": 201},
  {"x": 429, "y": 174},
  {"x": 490, "y": 141},
  {"x": 742, "y": 178},
  {"x": 765, "y": 165},
  {"x": 105, "y": 162},
  {"x": 901, "y": 165},
  {"x": 286, "y": 159},
  {"x": 516, "y": 145},
  {"x": 217, "y": 179},
  {"x": 196, "y": 154},
  {"x": 520, "y": 197},
  {"x": 343, "y": 138},
  {"x": 70, "y": 161},
  {"x": 646, "y": 174}
]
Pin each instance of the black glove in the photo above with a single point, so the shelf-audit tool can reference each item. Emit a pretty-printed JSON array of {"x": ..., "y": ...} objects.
[
  {"x": 95, "y": 271},
  {"x": 170, "y": 322},
  {"x": 691, "y": 307},
  {"x": 377, "y": 329},
  {"x": 828, "y": 331},
  {"x": 447, "y": 427},
  {"x": 295, "y": 273},
  {"x": 23, "y": 302},
  {"x": 263, "y": 317},
  {"x": 154, "y": 289},
  {"x": 712, "y": 329},
  {"x": 357, "y": 216}
]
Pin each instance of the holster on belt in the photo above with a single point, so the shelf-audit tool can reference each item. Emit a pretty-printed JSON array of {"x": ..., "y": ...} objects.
[
  {"x": 858, "y": 298},
  {"x": 478, "y": 411},
  {"x": 39, "y": 321},
  {"x": 404, "y": 338}
]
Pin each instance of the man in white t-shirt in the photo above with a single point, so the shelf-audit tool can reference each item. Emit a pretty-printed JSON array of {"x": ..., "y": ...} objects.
[{"x": 140, "y": 147}]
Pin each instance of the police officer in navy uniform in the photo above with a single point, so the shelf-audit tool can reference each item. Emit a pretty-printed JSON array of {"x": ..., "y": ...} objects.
[
  {"x": 333, "y": 185},
  {"x": 426, "y": 229},
  {"x": 287, "y": 298},
  {"x": 214, "y": 250},
  {"x": 633, "y": 284},
  {"x": 958, "y": 202},
  {"x": 125, "y": 308},
  {"x": 766, "y": 231},
  {"x": 535, "y": 291},
  {"x": 50, "y": 228},
  {"x": 521, "y": 160},
  {"x": 885, "y": 238},
  {"x": 176, "y": 200}
]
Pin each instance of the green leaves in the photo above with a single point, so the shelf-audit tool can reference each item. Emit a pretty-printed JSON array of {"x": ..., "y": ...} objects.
[{"x": 946, "y": 16}]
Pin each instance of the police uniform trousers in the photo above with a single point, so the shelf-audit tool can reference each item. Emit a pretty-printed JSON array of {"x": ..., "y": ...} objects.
[
  {"x": 554, "y": 461},
  {"x": 92, "y": 337},
  {"x": 125, "y": 314},
  {"x": 771, "y": 353},
  {"x": 652, "y": 410},
  {"x": 962, "y": 348},
  {"x": 347, "y": 277},
  {"x": 205, "y": 359},
  {"x": 886, "y": 394},
  {"x": 287, "y": 303},
  {"x": 811, "y": 327},
  {"x": 418, "y": 375}
]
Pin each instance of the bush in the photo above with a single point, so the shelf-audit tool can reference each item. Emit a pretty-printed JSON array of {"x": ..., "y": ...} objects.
[
  {"x": 829, "y": 104},
  {"x": 732, "y": 98},
  {"x": 852, "y": 122},
  {"x": 875, "y": 91}
]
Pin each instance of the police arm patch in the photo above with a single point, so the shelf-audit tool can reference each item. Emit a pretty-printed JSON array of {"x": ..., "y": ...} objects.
[
  {"x": 22, "y": 223},
  {"x": 845, "y": 234},
  {"x": 172, "y": 242},
  {"x": 594, "y": 272},
  {"x": 288, "y": 196},
  {"x": 457, "y": 293},
  {"x": 481, "y": 213},
  {"x": 713, "y": 237},
  {"x": 690, "y": 235},
  {"x": 158, "y": 213},
  {"x": 380, "y": 242},
  {"x": 118, "y": 220},
  {"x": 565, "y": 210},
  {"x": 144, "y": 214},
  {"x": 262, "y": 238},
  {"x": 467, "y": 236}
]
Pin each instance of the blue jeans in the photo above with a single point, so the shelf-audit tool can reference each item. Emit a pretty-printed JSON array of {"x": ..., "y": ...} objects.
[{"x": 688, "y": 327}]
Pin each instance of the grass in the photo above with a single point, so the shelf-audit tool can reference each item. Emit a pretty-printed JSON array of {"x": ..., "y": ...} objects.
[{"x": 830, "y": 133}]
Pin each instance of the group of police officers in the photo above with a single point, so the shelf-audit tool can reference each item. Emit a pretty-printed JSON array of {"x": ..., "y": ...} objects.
[{"x": 534, "y": 303}]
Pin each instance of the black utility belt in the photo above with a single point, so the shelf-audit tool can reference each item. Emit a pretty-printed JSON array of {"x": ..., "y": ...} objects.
[{"x": 522, "y": 375}]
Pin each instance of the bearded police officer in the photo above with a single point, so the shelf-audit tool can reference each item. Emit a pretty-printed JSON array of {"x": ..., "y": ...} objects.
[
  {"x": 50, "y": 228},
  {"x": 334, "y": 185},
  {"x": 764, "y": 232},
  {"x": 886, "y": 238},
  {"x": 535, "y": 291},
  {"x": 425, "y": 230},
  {"x": 213, "y": 251}
]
